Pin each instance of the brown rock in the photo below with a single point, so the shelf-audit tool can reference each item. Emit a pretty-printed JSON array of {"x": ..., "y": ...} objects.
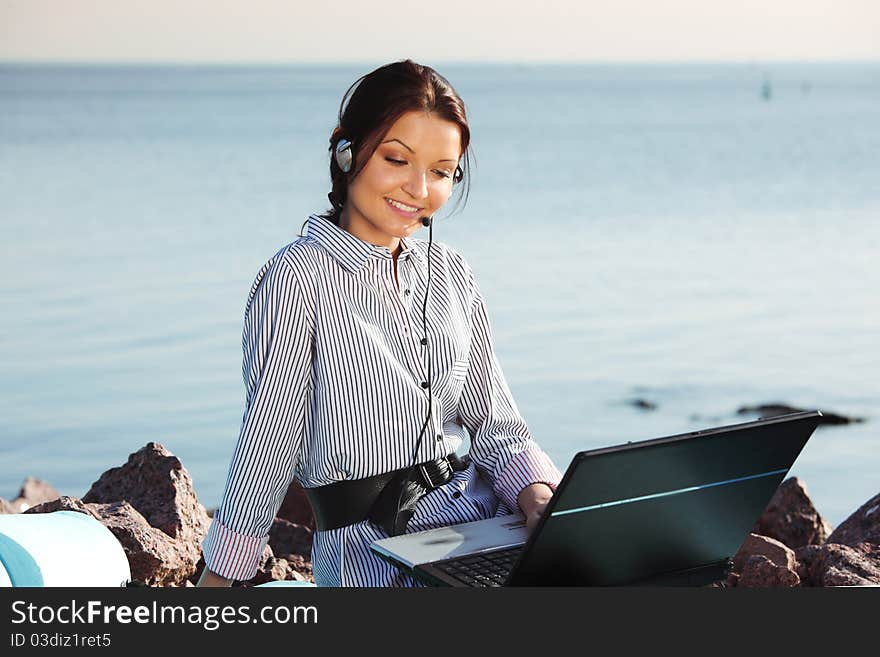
[
  {"x": 791, "y": 518},
  {"x": 269, "y": 569},
  {"x": 295, "y": 567},
  {"x": 65, "y": 503},
  {"x": 154, "y": 482},
  {"x": 33, "y": 491},
  {"x": 842, "y": 565},
  {"x": 6, "y": 507},
  {"x": 296, "y": 508},
  {"x": 301, "y": 567},
  {"x": 805, "y": 556},
  {"x": 154, "y": 558},
  {"x": 288, "y": 538},
  {"x": 761, "y": 572},
  {"x": 277, "y": 568},
  {"x": 863, "y": 526},
  {"x": 775, "y": 552}
]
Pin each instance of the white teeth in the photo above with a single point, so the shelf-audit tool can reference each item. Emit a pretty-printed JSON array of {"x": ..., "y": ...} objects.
[{"x": 403, "y": 207}]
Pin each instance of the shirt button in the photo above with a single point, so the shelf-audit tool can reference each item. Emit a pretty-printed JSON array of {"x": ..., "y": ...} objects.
[
  {"x": 439, "y": 437},
  {"x": 406, "y": 292},
  {"x": 456, "y": 495},
  {"x": 424, "y": 384},
  {"x": 406, "y": 329}
]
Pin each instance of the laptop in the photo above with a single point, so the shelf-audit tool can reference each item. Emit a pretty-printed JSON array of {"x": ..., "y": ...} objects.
[{"x": 666, "y": 511}]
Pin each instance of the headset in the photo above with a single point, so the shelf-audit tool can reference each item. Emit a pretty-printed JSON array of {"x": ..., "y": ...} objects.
[{"x": 344, "y": 160}]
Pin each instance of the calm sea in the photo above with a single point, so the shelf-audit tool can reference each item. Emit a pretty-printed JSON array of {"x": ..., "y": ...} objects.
[{"x": 655, "y": 232}]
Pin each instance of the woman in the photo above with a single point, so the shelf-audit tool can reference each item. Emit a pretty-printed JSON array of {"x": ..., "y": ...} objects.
[{"x": 368, "y": 354}]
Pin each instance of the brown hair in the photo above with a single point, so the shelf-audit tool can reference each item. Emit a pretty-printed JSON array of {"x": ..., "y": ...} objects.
[{"x": 375, "y": 101}]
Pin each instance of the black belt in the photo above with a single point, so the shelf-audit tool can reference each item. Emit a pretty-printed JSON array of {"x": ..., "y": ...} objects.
[{"x": 376, "y": 498}]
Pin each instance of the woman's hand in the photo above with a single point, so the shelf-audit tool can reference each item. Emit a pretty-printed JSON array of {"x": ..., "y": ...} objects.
[{"x": 532, "y": 499}]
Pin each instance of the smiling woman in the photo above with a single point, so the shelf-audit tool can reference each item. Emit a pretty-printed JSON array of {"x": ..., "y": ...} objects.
[
  {"x": 409, "y": 175},
  {"x": 407, "y": 117},
  {"x": 350, "y": 382}
]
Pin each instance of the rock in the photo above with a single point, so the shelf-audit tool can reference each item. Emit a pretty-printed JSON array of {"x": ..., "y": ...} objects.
[
  {"x": 761, "y": 572},
  {"x": 155, "y": 483},
  {"x": 33, "y": 491},
  {"x": 805, "y": 556},
  {"x": 6, "y": 507},
  {"x": 834, "y": 564},
  {"x": 791, "y": 518},
  {"x": 274, "y": 568},
  {"x": 270, "y": 569},
  {"x": 775, "y": 552},
  {"x": 295, "y": 567},
  {"x": 301, "y": 567},
  {"x": 643, "y": 404},
  {"x": 288, "y": 538},
  {"x": 863, "y": 526},
  {"x": 154, "y": 558},
  {"x": 777, "y": 408},
  {"x": 65, "y": 503},
  {"x": 296, "y": 507}
]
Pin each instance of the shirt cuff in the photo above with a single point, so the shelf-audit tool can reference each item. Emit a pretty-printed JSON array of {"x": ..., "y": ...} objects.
[
  {"x": 230, "y": 554},
  {"x": 529, "y": 467}
]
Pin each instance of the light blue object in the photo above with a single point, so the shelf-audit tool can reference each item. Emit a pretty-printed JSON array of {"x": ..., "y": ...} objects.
[
  {"x": 62, "y": 548},
  {"x": 19, "y": 567},
  {"x": 286, "y": 583}
]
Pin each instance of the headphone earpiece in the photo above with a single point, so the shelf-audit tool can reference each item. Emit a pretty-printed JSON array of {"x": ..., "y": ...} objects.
[{"x": 343, "y": 155}]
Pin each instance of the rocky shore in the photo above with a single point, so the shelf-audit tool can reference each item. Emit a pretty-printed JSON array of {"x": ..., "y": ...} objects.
[{"x": 150, "y": 506}]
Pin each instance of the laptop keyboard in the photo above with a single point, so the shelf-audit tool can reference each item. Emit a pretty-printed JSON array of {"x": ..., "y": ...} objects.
[{"x": 486, "y": 569}]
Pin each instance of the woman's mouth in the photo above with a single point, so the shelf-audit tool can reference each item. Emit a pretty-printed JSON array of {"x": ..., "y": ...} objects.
[{"x": 403, "y": 209}]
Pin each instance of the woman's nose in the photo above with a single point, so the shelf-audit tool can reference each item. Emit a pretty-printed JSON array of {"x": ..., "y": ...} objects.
[{"x": 417, "y": 185}]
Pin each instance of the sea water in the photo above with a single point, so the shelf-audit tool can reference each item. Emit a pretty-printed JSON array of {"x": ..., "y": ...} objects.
[{"x": 661, "y": 233}]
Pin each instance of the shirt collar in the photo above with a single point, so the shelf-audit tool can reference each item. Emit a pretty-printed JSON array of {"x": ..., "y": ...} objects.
[{"x": 352, "y": 252}]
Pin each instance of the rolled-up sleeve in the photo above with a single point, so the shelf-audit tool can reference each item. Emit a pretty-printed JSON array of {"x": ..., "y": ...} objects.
[
  {"x": 276, "y": 365},
  {"x": 501, "y": 444}
]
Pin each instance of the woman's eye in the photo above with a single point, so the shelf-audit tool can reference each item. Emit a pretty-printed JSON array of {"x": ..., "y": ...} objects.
[{"x": 439, "y": 172}]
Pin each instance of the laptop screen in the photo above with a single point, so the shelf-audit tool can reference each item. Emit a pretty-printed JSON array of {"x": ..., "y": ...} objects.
[{"x": 635, "y": 511}]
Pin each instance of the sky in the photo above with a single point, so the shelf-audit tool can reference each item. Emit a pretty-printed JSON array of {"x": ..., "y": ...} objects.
[{"x": 338, "y": 31}]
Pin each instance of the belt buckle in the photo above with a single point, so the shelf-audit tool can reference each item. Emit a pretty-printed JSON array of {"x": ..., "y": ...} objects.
[{"x": 429, "y": 480}]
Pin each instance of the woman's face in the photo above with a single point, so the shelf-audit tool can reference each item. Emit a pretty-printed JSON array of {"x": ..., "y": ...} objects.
[{"x": 413, "y": 167}]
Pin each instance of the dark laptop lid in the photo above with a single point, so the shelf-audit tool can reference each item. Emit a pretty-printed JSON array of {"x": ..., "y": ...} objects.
[{"x": 631, "y": 512}]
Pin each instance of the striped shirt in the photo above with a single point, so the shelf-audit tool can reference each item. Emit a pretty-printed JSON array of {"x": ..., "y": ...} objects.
[{"x": 334, "y": 366}]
